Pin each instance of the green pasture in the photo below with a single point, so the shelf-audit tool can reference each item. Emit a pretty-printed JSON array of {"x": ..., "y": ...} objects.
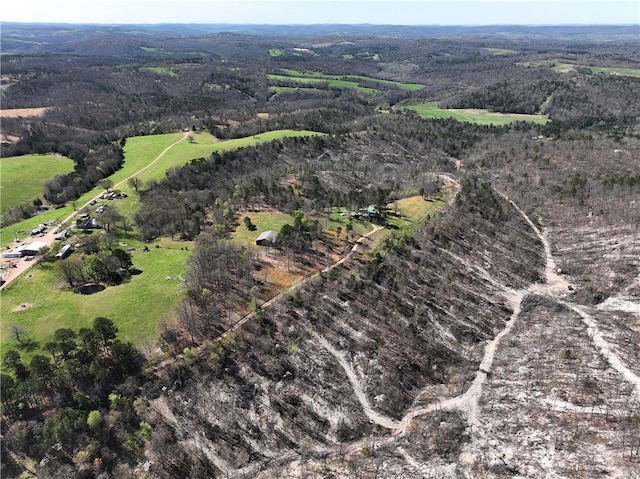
[
  {"x": 22, "y": 178},
  {"x": 51, "y": 307},
  {"x": 341, "y": 84},
  {"x": 400, "y": 85},
  {"x": 500, "y": 51},
  {"x": 414, "y": 210},
  {"x": 482, "y": 117},
  {"x": 276, "y": 52},
  {"x": 263, "y": 221},
  {"x": 626, "y": 72},
  {"x": 284, "y": 89},
  {"x": 369, "y": 56},
  {"x": 350, "y": 79},
  {"x": 564, "y": 66},
  {"x": 161, "y": 71},
  {"x": 139, "y": 152},
  {"x": 134, "y": 306},
  {"x": 340, "y": 218}
]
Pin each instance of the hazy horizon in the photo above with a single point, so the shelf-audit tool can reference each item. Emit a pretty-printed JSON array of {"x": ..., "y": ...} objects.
[{"x": 318, "y": 12}]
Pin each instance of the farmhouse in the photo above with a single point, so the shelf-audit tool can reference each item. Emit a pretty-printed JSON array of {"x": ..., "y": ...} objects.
[
  {"x": 88, "y": 224},
  {"x": 267, "y": 238}
]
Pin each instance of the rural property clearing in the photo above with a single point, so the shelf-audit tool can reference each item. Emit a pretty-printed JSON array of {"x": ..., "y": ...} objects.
[{"x": 473, "y": 115}]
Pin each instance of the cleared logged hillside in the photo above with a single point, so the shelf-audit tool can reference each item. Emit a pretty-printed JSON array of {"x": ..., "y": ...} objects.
[{"x": 348, "y": 357}]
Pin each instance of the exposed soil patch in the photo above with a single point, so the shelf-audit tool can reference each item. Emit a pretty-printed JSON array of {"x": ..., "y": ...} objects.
[
  {"x": 23, "y": 112},
  {"x": 22, "y": 307}
]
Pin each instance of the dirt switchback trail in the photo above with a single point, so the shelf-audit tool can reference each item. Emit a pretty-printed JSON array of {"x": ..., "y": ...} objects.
[
  {"x": 468, "y": 403},
  {"x": 555, "y": 287},
  {"x": 357, "y": 386},
  {"x": 49, "y": 237}
]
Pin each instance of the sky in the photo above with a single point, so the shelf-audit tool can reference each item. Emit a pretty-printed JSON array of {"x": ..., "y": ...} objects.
[{"x": 402, "y": 12}]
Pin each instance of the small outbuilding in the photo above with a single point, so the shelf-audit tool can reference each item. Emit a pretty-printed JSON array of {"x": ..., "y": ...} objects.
[
  {"x": 65, "y": 251},
  {"x": 267, "y": 238},
  {"x": 32, "y": 249},
  {"x": 25, "y": 249}
]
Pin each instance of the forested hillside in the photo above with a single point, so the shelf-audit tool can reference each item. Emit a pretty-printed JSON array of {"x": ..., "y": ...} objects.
[{"x": 444, "y": 298}]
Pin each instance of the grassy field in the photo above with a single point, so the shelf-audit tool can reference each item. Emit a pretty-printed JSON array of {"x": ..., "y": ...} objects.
[
  {"x": 161, "y": 71},
  {"x": 136, "y": 157},
  {"x": 415, "y": 210},
  {"x": 263, "y": 221},
  {"x": 402, "y": 86},
  {"x": 49, "y": 307},
  {"x": 22, "y": 178},
  {"x": 482, "y": 117},
  {"x": 563, "y": 66},
  {"x": 627, "y": 72},
  {"x": 139, "y": 152},
  {"x": 500, "y": 51},
  {"x": 342, "y": 81},
  {"x": 342, "y": 84}
]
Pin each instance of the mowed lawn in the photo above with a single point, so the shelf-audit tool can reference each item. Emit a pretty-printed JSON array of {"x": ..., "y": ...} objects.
[
  {"x": 415, "y": 210},
  {"x": 22, "y": 178},
  {"x": 263, "y": 221},
  {"x": 472, "y": 115}
]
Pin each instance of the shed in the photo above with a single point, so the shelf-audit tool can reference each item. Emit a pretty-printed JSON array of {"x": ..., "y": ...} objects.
[
  {"x": 16, "y": 253},
  {"x": 32, "y": 249},
  {"x": 65, "y": 251},
  {"x": 267, "y": 238}
]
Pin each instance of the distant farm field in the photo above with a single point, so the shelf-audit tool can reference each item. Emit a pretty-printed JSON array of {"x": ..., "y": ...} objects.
[
  {"x": 22, "y": 178},
  {"x": 342, "y": 84},
  {"x": 564, "y": 66},
  {"x": 343, "y": 81},
  {"x": 481, "y": 117},
  {"x": 22, "y": 112},
  {"x": 161, "y": 71}
]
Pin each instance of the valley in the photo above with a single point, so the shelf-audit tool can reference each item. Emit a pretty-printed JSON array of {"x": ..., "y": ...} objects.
[{"x": 449, "y": 286}]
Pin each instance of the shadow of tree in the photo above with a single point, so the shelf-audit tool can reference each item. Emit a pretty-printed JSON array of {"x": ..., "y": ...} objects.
[{"x": 28, "y": 344}]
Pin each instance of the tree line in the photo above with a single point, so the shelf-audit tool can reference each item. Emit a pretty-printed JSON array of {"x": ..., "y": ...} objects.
[{"x": 72, "y": 405}]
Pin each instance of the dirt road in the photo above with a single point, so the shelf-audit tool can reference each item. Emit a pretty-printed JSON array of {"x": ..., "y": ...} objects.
[{"x": 22, "y": 265}]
